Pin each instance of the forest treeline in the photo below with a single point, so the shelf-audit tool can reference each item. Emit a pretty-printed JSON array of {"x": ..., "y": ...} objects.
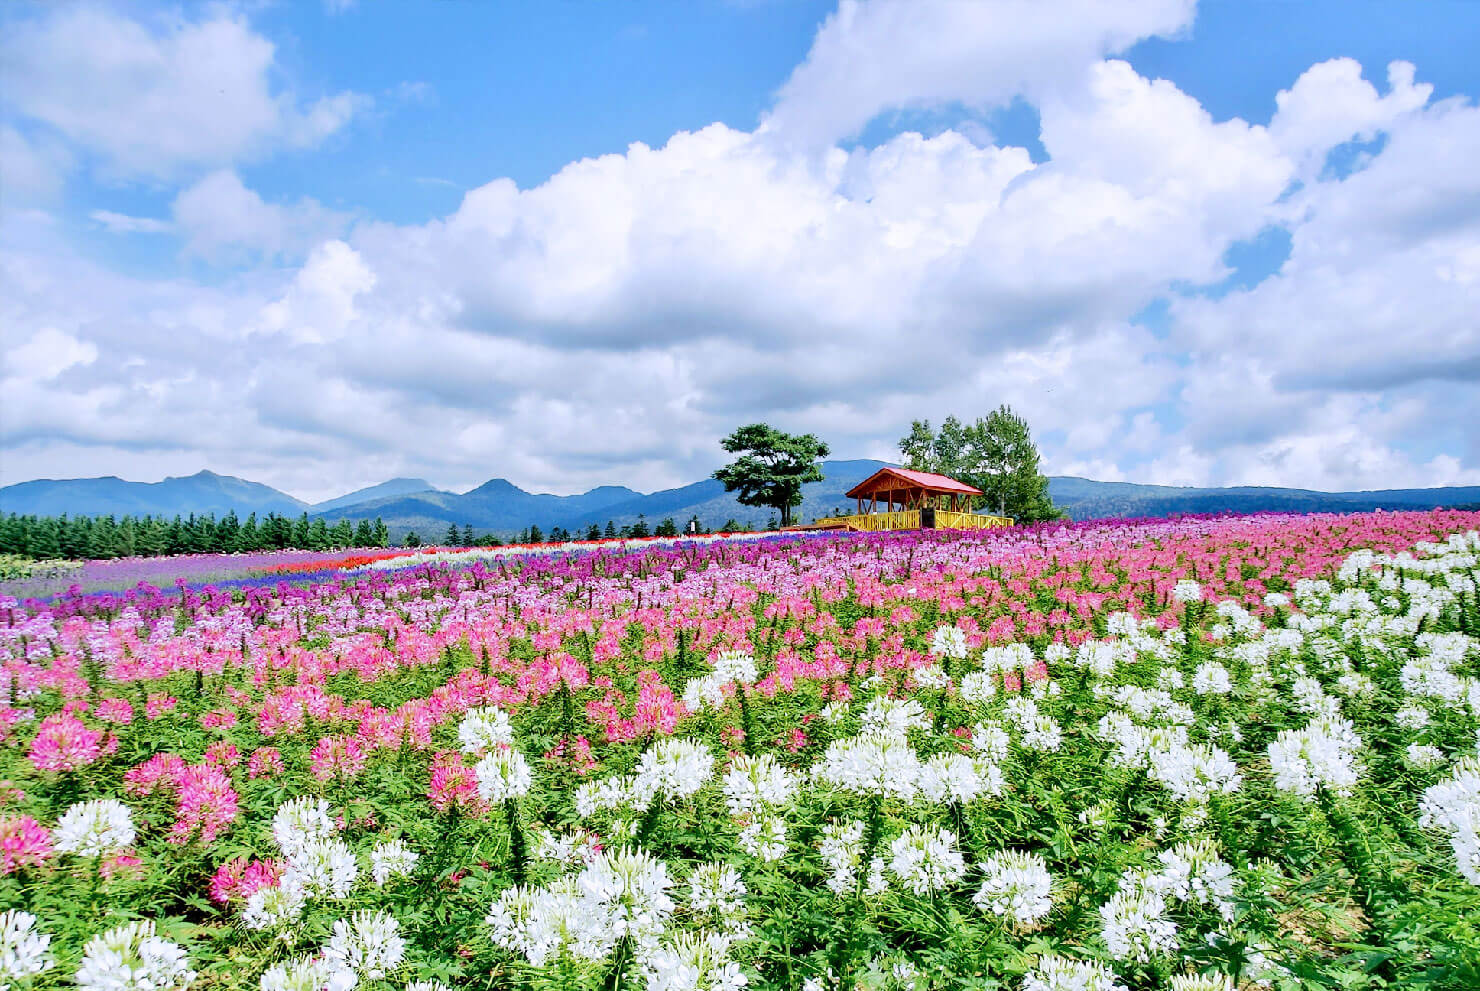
[{"x": 103, "y": 537}]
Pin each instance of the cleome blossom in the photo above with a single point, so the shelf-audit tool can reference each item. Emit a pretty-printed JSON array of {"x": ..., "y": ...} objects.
[
  {"x": 99, "y": 828},
  {"x": 133, "y": 956}
]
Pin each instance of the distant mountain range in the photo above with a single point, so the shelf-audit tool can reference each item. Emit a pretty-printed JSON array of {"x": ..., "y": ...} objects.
[{"x": 500, "y": 507}]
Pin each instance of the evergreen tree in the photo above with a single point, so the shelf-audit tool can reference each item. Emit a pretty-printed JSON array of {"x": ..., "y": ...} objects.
[
  {"x": 342, "y": 535},
  {"x": 246, "y": 540},
  {"x": 535, "y": 534},
  {"x": 610, "y": 532},
  {"x": 318, "y": 535},
  {"x": 299, "y": 537},
  {"x": 640, "y": 528},
  {"x": 412, "y": 540},
  {"x": 732, "y": 525},
  {"x": 228, "y": 532},
  {"x": 593, "y": 532},
  {"x": 364, "y": 535},
  {"x": 453, "y": 537},
  {"x": 467, "y": 535},
  {"x": 772, "y": 467},
  {"x": 382, "y": 533},
  {"x": 667, "y": 528}
]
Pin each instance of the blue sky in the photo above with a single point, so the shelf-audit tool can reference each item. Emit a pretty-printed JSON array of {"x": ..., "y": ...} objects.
[{"x": 318, "y": 245}]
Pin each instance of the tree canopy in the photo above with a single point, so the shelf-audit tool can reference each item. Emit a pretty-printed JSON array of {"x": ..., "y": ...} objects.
[
  {"x": 772, "y": 467},
  {"x": 995, "y": 454}
]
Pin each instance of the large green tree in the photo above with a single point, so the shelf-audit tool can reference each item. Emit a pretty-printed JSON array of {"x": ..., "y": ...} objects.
[
  {"x": 995, "y": 454},
  {"x": 772, "y": 467}
]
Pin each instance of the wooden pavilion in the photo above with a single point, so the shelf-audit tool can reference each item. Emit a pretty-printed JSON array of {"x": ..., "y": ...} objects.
[{"x": 901, "y": 499}]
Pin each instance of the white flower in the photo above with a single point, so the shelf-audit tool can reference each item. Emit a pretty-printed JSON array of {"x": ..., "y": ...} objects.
[
  {"x": 958, "y": 778},
  {"x": 274, "y": 907},
  {"x": 569, "y": 848},
  {"x": 871, "y": 764},
  {"x": 1320, "y": 755},
  {"x": 484, "y": 729},
  {"x": 1186, "y": 591},
  {"x": 558, "y": 921},
  {"x": 926, "y": 860},
  {"x": 735, "y": 666},
  {"x": 932, "y": 676},
  {"x": 1017, "y": 884},
  {"x": 692, "y": 962},
  {"x": 98, "y": 828},
  {"x": 133, "y": 958},
  {"x": 305, "y": 974},
  {"x": 323, "y": 868},
  {"x": 1062, "y": 974},
  {"x": 842, "y": 849},
  {"x": 1193, "y": 872},
  {"x": 755, "y": 783},
  {"x": 1412, "y": 717},
  {"x": 368, "y": 945},
  {"x": 991, "y": 741},
  {"x": 949, "y": 641},
  {"x": 632, "y": 885},
  {"x": 1134, "y": 923},
  {"x": 894, "y": 717},
  {"x": 392, "y": 859},
  {"x": 1211, "y": 678},
  {"x": 717, "y": 889},
  {"x": 1202, "y": 982},
  {"x": 978, "y": 686},
  {"x": 503, "y": 775},
  {"x": 301, "y": 821},
  {"x": 673, "y": 768},
  {"x": 1424, "y": 755},
  {"x": 764, "y": 837},
  {"x": 23, "y": 950}
]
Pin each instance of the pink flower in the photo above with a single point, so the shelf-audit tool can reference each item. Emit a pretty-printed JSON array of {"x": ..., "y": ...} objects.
[
  {"x": 206, "y": 802},
  {"x": 65, "y": 743},
  {"x": 125, "y": 864},
  {"x": 24, "y": 842},
  {"x": 115, "y": 710},
  {"x": 218, "y": 719},
  {"x": 239, "y": 879},
  {"x": 223, "y": 754},
  {"x": 265, "y": 762},
  {"x": 337, "y": 757},
  {"x": 158, "y": 705},
  {"x": 454, "y": 785}
]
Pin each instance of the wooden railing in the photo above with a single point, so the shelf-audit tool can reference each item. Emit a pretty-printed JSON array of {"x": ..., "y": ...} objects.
[
  {"x": 909, "y": 519},
  {"x": 969, "y": 521}
]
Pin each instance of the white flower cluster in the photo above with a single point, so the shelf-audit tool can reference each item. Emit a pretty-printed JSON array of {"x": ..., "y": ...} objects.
[
  {"x": 958, "y": 778},
  {"x": 876, "y": 764},
  {"x": 623, "y": 893},
  {"x": 133, "y": 956},
  {"x": 693, "y": 962},
  {"x": 717, "y": 892},
  {"x": 1202, "y": 982},
  {"x": 24, "y": 952},
  {"x": 1193, "y": 872},
  {"x": 367, "y": 945},
  {"x": 319, "y": 864},
  {"x": 842, "y": 850},
  {"x": 1186, "y": 591},
  {"x": 1453, "y": 807},
  {"x": 503, "y": 775},
  {"x": 1036, "y": 731},
  {"x": 949, "y": 641},
  {"x": 392, "y": 859},
  {"x": 99, "y": 828},
  {"x": 1017, "y": 885},
  {"x": 925, "y": 859},
  {"x": 671, "y": 769},
  {"x": 1134, "y": 923},
  {"x": 1054, "y": 973},
  {"x": 570, "y": 848},
  {"x": 484, "y": 730},
  {"x": 730, "y": 667},
  {"x": 894, "y": 717},
  {"x": 1322, "y": 755},
  {"x": 758, "y": 789}
]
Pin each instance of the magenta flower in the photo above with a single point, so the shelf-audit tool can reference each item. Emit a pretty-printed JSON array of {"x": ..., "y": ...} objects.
[{"x": 24, "y": 842}]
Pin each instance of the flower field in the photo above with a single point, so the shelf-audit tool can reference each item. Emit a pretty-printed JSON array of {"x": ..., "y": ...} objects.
[{"x": 1205, "y": 753}]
